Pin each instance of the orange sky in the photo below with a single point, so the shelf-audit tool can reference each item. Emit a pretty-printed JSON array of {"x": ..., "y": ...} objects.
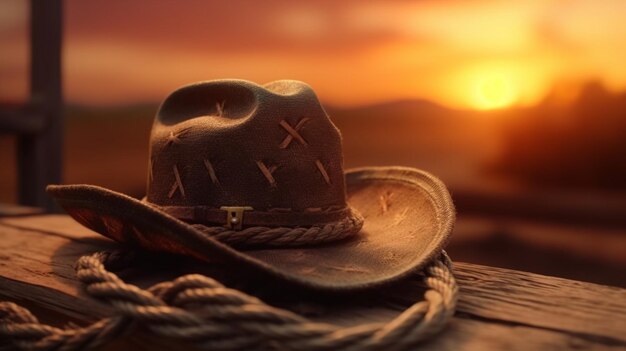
[{"x": 466, "y": 54}]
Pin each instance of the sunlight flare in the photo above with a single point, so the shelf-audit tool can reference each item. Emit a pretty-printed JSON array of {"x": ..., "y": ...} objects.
[{"x": 494, "y": 91}]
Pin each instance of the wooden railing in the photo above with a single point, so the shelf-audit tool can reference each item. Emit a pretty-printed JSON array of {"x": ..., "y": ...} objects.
[
  {"x": 498, "y": 309},
  {"x": 38, "y": 124}
]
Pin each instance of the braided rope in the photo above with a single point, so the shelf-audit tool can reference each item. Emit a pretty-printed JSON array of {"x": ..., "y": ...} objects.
[
  {"x": 285, "y": 236},
  {"x": 200, "y": 310}
]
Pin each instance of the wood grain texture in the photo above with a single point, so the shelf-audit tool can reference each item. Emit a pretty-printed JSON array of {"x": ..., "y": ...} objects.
[{"x": 498, "y": 309}]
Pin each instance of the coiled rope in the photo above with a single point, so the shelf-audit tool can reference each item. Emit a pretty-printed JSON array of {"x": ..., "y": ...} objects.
[{"x": 199, "y": 310}]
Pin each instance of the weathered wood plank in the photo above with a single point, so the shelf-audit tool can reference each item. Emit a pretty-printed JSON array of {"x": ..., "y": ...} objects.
[
  {"x": 16, "y": 210},
  {"x": 498, "y": 309},
  {"x": 543, "y": 302}
]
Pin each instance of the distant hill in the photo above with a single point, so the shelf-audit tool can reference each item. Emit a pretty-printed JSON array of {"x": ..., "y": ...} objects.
[
  {"x": 580, "y": 145},
  {"x": 453, "y": 144},
  {"x": 414, "y": 108},
  {"x": 83, "y": 113},
  {"x": 413, "y": 133}
]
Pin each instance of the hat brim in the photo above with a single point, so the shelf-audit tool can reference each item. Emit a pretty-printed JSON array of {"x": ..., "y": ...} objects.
[{"x": 408, "y": 213}]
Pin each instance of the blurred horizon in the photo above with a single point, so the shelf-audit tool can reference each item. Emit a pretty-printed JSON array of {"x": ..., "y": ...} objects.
[{"x": 552, "y": 98}]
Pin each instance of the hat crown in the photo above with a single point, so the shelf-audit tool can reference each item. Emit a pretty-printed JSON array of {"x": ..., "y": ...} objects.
[{"x": 236, "y": 143}]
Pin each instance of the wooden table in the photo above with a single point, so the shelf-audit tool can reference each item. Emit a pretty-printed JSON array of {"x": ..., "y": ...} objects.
[{"x": 498, "y": 308}]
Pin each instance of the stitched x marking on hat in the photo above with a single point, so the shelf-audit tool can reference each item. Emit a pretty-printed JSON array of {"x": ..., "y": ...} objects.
[
  {"x": 211, "y": 170},
  {"x": 267, "y": 172},
  {"x": 293, "y": 132},
  {"x": 219, "y": 108},
  {"x": 174, "y": 137},
  {"x": 178, "y": 184},
  {"x": 323, "y": 171}
]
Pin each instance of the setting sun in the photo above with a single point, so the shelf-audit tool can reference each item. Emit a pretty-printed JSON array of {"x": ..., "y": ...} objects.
[{"x": 493, "y": 91}]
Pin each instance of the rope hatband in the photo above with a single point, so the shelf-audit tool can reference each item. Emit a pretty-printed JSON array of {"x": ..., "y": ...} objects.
[{"x": 286, "y": 236}]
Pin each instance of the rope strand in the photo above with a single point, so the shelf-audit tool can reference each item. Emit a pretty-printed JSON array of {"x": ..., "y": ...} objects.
[{"x": 200, "y": 310}]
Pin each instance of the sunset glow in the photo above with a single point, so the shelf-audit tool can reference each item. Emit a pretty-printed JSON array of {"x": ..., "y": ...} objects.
[
  {"x": 494, "y": 91},
  {"x": 481, "y": 54}
]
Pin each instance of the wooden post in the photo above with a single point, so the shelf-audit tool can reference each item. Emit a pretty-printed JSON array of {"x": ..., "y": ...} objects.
[{"x": 40, "y": 154}]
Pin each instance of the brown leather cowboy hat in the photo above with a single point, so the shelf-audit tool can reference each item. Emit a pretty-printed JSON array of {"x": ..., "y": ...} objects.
[{"x": 253, "y": 175}]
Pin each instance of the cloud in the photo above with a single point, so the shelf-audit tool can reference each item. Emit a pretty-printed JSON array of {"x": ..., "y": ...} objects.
[
  {"x": 351, "y": 51},
  {"x": 232, "y": 26}
]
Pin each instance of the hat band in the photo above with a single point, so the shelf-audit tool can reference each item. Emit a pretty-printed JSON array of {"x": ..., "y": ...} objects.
[{"x": 246, "y": 216}]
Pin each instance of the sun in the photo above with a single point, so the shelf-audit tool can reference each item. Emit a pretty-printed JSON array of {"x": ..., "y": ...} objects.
[{"x": 493, "y": 91}]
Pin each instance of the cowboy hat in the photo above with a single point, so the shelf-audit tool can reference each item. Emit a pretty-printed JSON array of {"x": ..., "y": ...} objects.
[{"x": 253, "y": 175}]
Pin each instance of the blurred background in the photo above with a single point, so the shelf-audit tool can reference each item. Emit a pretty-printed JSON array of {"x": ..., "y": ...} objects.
[{"x": 520, "y": 107}]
